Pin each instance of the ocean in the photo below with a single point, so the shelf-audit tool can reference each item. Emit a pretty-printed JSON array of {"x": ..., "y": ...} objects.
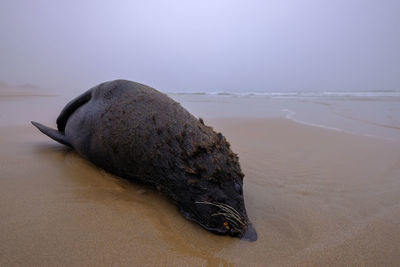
[{"x": 371, "y": 113}]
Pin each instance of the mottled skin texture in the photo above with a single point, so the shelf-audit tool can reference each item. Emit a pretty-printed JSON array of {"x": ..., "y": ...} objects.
[{"x": 138, "y": 133}]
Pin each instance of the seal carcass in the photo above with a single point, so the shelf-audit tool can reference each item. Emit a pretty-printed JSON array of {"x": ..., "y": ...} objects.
[{"x": 141, "y": 134}]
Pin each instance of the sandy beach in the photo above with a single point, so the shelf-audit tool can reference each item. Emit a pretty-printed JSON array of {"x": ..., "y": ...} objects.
[
  {"x": 316, "y": 196},
  {"x": 307, "y": 93}
]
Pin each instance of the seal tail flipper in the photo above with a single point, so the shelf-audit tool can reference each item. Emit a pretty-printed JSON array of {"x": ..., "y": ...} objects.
[
  {"x": 52, "y": 133},
  {"x": 70, "y": 108}
]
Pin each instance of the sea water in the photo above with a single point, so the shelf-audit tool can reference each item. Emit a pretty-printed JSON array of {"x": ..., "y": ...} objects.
[{"x": 372, "y": 113}]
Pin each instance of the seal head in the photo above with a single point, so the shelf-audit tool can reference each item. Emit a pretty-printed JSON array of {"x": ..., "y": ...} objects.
[{"x": 212, "y": 192}]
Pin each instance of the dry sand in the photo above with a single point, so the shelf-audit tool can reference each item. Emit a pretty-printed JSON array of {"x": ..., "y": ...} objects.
[{"x": 316, "y": 197}]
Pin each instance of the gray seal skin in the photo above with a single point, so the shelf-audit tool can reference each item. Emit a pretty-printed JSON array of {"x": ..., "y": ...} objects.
[{"x": 138, "y": 133}]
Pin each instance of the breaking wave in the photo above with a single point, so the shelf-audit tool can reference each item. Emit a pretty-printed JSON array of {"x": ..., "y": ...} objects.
[{"x": 306, "y": 94}]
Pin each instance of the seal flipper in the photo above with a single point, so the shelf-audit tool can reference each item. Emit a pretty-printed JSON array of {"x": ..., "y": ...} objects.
[
  {"x": 52, "y": 133},
  {"x": 70, "y": 108},
  {"x": 62, "y": 119}
]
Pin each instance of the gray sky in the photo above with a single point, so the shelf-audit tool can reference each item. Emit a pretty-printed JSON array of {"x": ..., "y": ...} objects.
[{"x": 203, "y": 45}]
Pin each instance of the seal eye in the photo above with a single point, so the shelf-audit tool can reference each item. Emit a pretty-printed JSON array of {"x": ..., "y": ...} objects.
[{"x": 238, "y": 188}]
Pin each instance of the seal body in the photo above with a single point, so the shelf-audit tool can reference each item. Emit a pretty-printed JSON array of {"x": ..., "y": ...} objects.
[{"x": 140, "y": 134}]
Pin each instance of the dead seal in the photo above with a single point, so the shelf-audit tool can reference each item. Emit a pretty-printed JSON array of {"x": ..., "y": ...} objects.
[{"x": 141, "y": 134}]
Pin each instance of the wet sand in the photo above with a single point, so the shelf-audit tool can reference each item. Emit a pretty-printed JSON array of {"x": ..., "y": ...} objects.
[{"x": 316, "y": 197}]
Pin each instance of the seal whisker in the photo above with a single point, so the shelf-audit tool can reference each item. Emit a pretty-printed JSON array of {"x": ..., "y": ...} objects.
[
  {"x": 228, "y": 207},
  {"x": 229, "y": 212},
  {"x": 224, "y": 207},
  {"x": 227, "y": 217}
]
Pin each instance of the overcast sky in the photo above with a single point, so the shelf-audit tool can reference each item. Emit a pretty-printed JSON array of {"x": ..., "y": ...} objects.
[{"x": 203, "y": 45}]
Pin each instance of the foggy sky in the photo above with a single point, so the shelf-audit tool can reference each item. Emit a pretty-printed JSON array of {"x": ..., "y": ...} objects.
[{"x": 207, "y": 45}]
